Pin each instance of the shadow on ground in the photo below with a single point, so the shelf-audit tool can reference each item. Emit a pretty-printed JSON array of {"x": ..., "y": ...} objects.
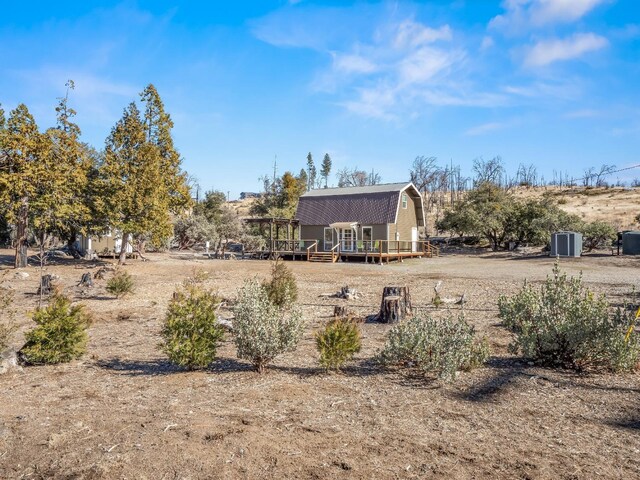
[{"x": 137, "y": 368}]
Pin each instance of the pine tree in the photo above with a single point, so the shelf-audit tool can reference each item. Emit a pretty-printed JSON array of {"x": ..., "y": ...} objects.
[
  {"x": 311, "y": 168},
  {"x": 21, "y": 170},
  {"x": 141, "y": 175},
  {"x": 158, "y": 125},
  {"x": 326, "y": 169},
  {"x": 74, "y": 163}
]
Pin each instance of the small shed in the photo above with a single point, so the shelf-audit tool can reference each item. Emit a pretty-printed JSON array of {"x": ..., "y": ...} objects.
[
  {"x": 631, "y": 243},
  {"x": 566, "y": 244}
]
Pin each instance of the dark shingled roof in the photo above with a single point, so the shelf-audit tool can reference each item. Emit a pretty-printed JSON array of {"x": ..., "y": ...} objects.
[{"x": 366, "y": 205}]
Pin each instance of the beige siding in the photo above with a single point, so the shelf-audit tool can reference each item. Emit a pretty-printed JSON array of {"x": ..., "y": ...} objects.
[{"x": 406, "y": 220}]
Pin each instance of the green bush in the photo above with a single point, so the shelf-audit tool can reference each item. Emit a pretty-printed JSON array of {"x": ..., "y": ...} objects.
[
  {"x": 262, "y": 329},
  {"x": 282, "y": 289},
  {"x": 191, "y": 332},
  {"x": 61, "y": 333},
  {"x": 598, "y": 234},
  {"x": 563, "y": 324},
  {"x": 338, "y": 342},
  {"x": 435, "y": 347},
  {"x": 120, "y": 284}
]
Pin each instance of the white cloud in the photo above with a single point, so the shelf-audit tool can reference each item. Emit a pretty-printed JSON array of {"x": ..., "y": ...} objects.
[
  {"x": 549, "y": 51},
  {"x": 378, "y": 102},
  {"x": 424, "y": 64},
  {"x": 384, "y": 68},
  {"x": 583, "y": 113},
  {"x": 353, "y": 63},
  {"x": 552, "y": 11},
  {"x": 485, "y": 128},
  {"x": 413, "y": 34},
  {"x": 522, "y": 14},
  {"x": 487, "y": 43}
]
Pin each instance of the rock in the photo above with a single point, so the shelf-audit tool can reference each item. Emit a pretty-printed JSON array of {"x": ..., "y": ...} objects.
[
  {"x": 9, "y": 362},
  {"x": 22, "y": 275}
]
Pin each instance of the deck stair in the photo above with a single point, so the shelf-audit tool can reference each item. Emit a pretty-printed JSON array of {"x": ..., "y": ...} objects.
[{"x": 324, "y": 257}]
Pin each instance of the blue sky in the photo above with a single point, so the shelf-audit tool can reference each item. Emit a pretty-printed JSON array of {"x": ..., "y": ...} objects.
[{"x": 374, "y": 84}]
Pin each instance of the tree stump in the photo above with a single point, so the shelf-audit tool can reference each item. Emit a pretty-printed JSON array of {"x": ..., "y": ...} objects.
[
  {"x": 86, "y": 280},
  {"x": 395, "y": 305},
  {"x": 45, "y": 285}
]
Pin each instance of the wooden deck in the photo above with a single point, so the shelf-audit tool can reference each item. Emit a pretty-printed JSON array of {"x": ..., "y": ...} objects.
[{"x": 371, "y": 252}]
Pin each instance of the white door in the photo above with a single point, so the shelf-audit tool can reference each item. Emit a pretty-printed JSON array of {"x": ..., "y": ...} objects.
[
  {"x": 414, "y": 239},
  {"x": 347, "y": 239}
]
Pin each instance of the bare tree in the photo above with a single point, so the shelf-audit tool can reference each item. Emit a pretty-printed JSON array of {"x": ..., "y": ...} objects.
[
  {"x": 423, "y": 171},
  {"x": 600, "y": 175},
  {"x": 589, "y": 174},
  {"x": 357, "y": 178},
  {"x": 527, "y": 175},
  {"x": 488, "y": 171}
]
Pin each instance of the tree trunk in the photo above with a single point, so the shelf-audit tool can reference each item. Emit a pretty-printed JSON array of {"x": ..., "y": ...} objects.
[
  {"x": 123, "y": 249},
  {"x": 21, "y": 237},
  {"x": 395, "y": 305},
  {"x": 71, "y": 245}
]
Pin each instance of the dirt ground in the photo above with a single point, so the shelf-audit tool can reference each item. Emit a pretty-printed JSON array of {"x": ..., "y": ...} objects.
[{"x": 123, "y": 411}]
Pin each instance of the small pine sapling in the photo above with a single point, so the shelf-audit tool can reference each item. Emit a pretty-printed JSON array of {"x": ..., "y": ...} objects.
[
  {"x": 120, "y": 284},
  {"x": 191, "y": 332},
  {"x": 338, "y": 342},
  {"x": 281, "y": 289},
  {"x": 60, "y": 335}
]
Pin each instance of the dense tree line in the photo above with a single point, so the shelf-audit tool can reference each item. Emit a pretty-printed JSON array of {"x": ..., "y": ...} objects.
[{"x": 54, "y": 185}]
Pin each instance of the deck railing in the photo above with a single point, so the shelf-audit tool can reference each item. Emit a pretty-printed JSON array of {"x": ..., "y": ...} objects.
[
  {"x": 314, "y": 247},
  {"x": 295, "y": 246},
  {"x": 374, "y": 247},
  {"x": 335, "y": 252}
]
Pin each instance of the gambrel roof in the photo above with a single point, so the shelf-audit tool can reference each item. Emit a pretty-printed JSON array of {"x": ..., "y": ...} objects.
[{"x": 370, "y": 205}]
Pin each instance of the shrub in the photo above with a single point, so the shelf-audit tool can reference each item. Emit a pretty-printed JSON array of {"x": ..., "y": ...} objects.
[
  {"x": 191, "y": 332},
  {"x": 598, "y": 234},
  {"x": 120, "y": 284},
  {"x": 563, "y": 324},
  {"x": 197, "y": 277},
  {"x": 60, "y": 335},
  {"x": 262, "y": 329},
  {"x": 440, "y": 347},
  {"x": 281, "y": 289},
  {"x": 338, "y": 342}
]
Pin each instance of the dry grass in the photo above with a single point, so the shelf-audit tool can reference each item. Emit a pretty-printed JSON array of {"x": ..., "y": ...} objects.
[
  {"x": 617, "y": 206},
  {"x": 124, "y": 412}
]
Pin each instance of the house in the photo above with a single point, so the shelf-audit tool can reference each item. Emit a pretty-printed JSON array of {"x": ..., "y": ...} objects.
[
  {"x": 107, "y": 244},
  {"x": 382, "y": 219}
]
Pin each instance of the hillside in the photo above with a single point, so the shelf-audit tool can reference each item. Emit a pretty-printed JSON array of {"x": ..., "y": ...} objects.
[{"x": 617, "y": 206}]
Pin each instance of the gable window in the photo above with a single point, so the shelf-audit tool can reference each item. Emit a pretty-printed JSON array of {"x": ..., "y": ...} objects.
[{"x": 404, "y": 201}]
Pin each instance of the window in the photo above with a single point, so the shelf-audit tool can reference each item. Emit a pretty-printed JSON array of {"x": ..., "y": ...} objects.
[{"x": 404, "y": 201}]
